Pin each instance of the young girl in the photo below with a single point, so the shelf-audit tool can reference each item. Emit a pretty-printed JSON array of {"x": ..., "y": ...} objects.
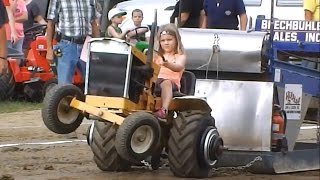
[{"x": 172, "y": 65}]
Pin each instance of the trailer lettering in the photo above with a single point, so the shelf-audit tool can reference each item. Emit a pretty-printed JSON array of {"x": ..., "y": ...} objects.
[
  {"x": 313, "y": 37},
  {"x": 291, "y": 25},
  {"x": 285, "y": 36},
  {"x": 265, "y": 24}
]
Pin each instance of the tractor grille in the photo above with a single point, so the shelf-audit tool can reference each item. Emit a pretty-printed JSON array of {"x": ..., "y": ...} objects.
[{"x": 107, "y": 74}]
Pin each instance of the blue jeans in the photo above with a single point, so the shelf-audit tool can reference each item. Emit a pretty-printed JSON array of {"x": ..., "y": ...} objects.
[
  {"x": 68, "y": 61},
  {"x": 17, "y": 45}
]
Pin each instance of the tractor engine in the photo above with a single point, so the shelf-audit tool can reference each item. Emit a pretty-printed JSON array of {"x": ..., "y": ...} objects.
[{"x": 114, "y": 71}]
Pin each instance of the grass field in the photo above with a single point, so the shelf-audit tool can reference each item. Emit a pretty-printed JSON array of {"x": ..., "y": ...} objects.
[{"x": 16, "y": 106}]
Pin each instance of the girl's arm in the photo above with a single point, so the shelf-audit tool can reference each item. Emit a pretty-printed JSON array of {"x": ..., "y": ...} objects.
[
  {"x": 179, "y": 65},
  {"x": 307, "y": 15},
  {"x": 13, "y": 31},
  {"x": 139, "y": 31},
  {"x": 113, "y": 33},
  {"x": 22, "y": 18}
]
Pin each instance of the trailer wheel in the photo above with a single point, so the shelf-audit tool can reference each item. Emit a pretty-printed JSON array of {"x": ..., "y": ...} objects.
[
  {"x": 138, "y": 136},
  {"x": 185, "y": 144},
  {"x": 103, "y": 148},
  {"x": 57, "y": 114},
  {"x": 7, "y": 85}
]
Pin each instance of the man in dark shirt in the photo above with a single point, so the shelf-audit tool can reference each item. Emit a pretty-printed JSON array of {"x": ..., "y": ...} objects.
[
  {"x": 190, "y": 13},
  {"x": 3, "y": 39},
  {"x": 223, "y": 14},
  {"x": 34, "y": 15}
]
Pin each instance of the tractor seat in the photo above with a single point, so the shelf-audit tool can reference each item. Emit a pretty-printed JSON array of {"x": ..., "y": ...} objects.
[{"x": 187, "y": 82}]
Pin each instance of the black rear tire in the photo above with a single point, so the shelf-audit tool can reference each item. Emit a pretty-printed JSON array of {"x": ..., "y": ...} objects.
[
  {"x": 57, "y": 114},
  {"x": 48, "y": 85},
  {"x": 7, "y": 85},
  {"x": 138, "y": 136},
  {"x": 103, "y": 148},
  {"x": 184, "y": 144}
]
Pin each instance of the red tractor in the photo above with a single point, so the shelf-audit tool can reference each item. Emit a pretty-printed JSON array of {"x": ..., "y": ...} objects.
[{"x": 29, "y": 78}]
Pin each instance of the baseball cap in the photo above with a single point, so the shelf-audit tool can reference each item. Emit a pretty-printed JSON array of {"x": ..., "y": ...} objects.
[{"x": 115, "y": 12}]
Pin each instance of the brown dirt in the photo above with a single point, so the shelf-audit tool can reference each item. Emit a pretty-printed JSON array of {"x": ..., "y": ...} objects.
[{"x": 73, "y": 160}]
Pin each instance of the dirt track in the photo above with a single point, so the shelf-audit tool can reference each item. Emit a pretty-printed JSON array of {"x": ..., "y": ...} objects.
[{"x": 72, "y": 159}]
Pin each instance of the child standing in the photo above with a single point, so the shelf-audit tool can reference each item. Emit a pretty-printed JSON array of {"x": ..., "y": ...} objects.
[
  {"x": 171, "y": 67},
  {"x": 113, "y": 30},
  {"x": 136, "y": 30},
  {"x": 20, "y": 15}
]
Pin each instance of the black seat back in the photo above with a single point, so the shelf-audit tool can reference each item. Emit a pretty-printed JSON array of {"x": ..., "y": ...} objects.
[{"x": 188, "y": 83}]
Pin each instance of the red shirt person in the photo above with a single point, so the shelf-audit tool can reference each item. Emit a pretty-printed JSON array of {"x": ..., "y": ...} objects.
[
  {"x": 3, "y": 47},
  {"x": 8, "y": 5}
]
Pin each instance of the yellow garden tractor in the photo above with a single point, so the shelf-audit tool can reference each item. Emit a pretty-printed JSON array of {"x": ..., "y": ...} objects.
[{"x": 120, "y": 97}]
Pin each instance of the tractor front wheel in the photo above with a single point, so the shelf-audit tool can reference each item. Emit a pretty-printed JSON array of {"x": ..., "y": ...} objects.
[
  {"x": 57, "y": 114},
  {"x": 138, "y": 136},
  {"x": 102, "y": 143},
  {"x": 192, "y": 151}
]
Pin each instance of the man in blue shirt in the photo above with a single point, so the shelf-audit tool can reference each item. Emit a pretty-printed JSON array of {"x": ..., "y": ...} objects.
[
  {"x": 223, "y": 14},
  {"x": 190, "y": 13}
]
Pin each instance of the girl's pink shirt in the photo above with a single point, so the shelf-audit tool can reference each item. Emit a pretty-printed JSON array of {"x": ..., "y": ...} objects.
[
  {"x": 20, "y": 9},
  {"x": 166, "y": 73}
]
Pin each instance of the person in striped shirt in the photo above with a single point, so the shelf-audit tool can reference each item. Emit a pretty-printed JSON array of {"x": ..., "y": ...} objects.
[{"x": 71, "y": 21}]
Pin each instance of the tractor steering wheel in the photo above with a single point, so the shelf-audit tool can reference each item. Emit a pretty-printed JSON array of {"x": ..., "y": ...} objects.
[
  {"x": 34, "y": 31},
  {"x": 138, "y": 35}
]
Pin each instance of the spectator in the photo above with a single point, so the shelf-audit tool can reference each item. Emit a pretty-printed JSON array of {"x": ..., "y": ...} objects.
[
  {"x": 72, "y": 22},
  {"x": 172, "y": 60},
  {"x": 20, "y": 15},
  {"x": 311, "y": 13},
  {"x": 311, "y": 10},
  {"x": 113, "y": 30},
  {"x": 34, "y": 16},
  {"x": 136, "y": 30},
  {"x": 10, "y": 5},
  {"x": 223, "y": 14},
  {"x": 190, "y": 13},
  {"x": 84, "y": 52},
  {"x": 3, "y": 49}
]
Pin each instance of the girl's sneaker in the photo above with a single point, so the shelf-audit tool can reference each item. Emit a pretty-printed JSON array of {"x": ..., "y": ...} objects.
[{"x": 161, "y": 113}]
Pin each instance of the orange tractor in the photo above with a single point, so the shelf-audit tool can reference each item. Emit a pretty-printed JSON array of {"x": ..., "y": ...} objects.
[{"x": 29, "y": 78}]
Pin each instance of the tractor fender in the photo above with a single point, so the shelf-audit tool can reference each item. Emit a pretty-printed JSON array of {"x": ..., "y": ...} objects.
[{"x": 185, "y": 103}]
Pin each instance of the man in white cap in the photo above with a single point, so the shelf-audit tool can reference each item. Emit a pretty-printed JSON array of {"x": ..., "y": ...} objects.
[{"x": 115, "y": 17}]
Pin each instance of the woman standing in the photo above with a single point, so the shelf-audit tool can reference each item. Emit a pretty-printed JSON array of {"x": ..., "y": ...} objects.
[{"x": 20, "y": 15}]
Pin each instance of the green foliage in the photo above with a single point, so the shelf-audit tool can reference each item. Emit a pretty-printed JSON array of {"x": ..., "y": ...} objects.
[{"x": 16, "y": 106}]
